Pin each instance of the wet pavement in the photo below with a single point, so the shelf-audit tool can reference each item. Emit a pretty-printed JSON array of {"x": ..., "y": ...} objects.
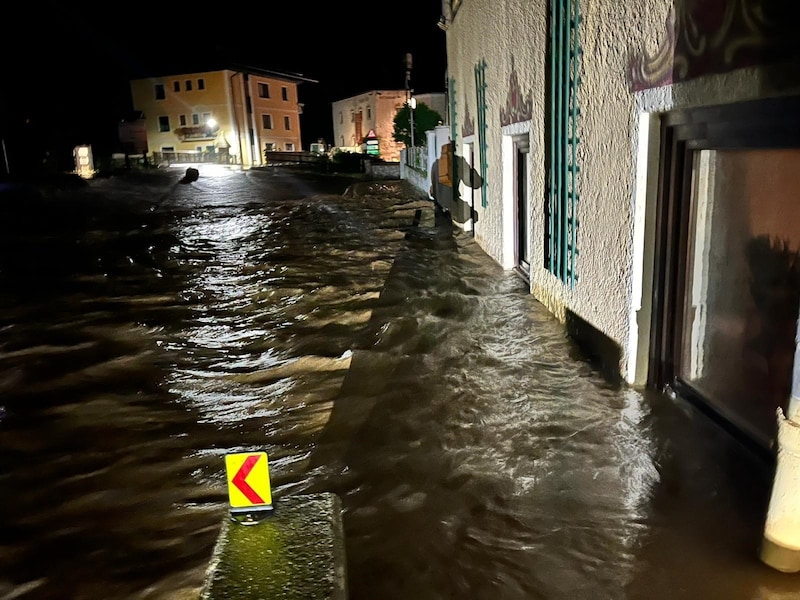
[{"x": 148, "y": 328}]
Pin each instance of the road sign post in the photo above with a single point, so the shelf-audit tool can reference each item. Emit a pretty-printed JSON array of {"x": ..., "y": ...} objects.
[{"x": 249, "y": 490}]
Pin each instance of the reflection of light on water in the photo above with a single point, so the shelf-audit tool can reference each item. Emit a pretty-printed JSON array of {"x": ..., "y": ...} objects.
[
  {"x": 232, "y": 304},
  {"x": 636, "y": 452}
]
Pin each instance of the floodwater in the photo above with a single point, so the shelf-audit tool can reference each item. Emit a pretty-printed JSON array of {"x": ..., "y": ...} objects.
[{"x": 149, "y": 328}]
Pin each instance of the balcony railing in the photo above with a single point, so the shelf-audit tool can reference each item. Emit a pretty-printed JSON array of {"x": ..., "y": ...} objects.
[
  {"x": 196, "y": 132},
  {"x": 219, "y": 158}
]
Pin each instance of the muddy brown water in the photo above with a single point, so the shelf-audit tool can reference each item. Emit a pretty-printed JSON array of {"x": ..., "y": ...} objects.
[{"x": 149, "y": 328}]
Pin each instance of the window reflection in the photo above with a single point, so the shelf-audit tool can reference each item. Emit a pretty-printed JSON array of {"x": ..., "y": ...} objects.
[{"x": 743, "y": 283}]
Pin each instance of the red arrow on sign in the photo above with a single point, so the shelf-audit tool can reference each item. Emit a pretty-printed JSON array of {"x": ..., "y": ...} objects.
[{"x": 240, "y": 480}]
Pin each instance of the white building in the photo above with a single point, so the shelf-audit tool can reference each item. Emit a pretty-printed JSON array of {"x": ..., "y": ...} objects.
[
  {"x": 638, "y": 163},
  {"x": 355, "y": 117}
]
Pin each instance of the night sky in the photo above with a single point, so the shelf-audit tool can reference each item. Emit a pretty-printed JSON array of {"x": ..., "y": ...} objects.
[{"x": 67, "y": 68}]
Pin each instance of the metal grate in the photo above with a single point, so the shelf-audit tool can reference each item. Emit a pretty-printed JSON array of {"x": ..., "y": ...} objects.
[
  {"x": 562, "y": 223},
  {"x": 480, "y": 88}
]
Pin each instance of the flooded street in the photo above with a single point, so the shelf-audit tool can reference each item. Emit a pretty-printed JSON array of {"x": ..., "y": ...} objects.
[{"x": 149, "y": 328}]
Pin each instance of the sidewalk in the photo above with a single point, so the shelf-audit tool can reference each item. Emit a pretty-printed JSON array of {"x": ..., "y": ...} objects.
[{"x": 690, "y": 520}]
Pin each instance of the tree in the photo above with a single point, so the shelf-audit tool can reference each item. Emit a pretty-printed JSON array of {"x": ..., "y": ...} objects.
[{"x": 425, "y": 119}]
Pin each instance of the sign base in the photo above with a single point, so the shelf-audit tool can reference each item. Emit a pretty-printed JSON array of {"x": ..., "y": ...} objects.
[{"x": 251, "y": 515}]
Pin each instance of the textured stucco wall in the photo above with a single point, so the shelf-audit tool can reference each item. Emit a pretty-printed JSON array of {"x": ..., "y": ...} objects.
[
  {"x": 513, "y": 34},
  {"x": 494, "y": 32},
  {"x": 617, "y": 154}
]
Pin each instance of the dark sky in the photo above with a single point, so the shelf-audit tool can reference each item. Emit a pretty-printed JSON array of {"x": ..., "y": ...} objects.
[{"x": 66, "y": 68}]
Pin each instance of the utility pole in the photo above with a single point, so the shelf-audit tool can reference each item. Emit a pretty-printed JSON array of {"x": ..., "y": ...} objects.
[{"x": 410, "y": 102}]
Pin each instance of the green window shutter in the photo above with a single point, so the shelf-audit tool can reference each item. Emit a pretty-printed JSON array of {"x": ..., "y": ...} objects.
[
  {"x": 562, "y": 199},
  {"x": 480, "y": 88}
]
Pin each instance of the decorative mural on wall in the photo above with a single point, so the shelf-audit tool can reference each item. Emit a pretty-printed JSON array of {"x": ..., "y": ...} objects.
[
  {"x": 703, "y": 37},
  {"x": 518, "y": 108},
  {"x": 468, "y": 128}
]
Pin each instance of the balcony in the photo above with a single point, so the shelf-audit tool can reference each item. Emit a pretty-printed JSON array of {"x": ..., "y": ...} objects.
[{"x": 197, "y": 132}]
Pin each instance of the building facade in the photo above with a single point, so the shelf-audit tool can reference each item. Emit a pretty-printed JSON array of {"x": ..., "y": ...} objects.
[
  {"x": 228, "y": 116},
  {"x": 355, "y": 117},
  {"x": 636, "y": 164}
]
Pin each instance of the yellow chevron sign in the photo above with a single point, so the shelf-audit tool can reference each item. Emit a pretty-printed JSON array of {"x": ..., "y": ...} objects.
[{"x": 248, "y": 480}]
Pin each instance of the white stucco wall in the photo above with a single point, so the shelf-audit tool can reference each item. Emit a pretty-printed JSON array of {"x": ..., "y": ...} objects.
[
  {"x": 617, "y": 154},
  {"x": 496, "y": 32}
]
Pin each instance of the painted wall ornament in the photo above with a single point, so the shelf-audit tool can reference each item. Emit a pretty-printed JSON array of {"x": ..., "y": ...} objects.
[
  {"x": 468, "y": 128},
  {"x": 518, "y": 108},
  {"x": 648, "y": 71},
  {"x": 703, "y": 37}
]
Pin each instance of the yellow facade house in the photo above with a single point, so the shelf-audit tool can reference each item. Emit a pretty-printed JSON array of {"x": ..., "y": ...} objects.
[{"x": 228, "y": 116}]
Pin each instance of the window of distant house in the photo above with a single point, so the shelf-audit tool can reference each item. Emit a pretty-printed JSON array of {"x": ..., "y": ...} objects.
[
  {"x": 195, "y": 119},
  {"x": 167, "y": 148},
  {"x": 289, "y": 147},
  {"x": 369, "y": 112},
  {"x": 269, "y": 146},
  {"x": 176, "y": 86},
  {"x": 341, "y": 118},
  {"x": 188, "y": 84},
  {"x": 285, "y": 93},
  {"x": 160, "y": 92},
  {"x": 206, "y": 118},
  {"x": 263, "y": 90},
  {"x": 163, "y": 124},
  {"x": 182, "y": 120},
  {"x": 201, "y": 84},
  {"x": 287, "y": 124},
  {"x": 266, "y": 121}
]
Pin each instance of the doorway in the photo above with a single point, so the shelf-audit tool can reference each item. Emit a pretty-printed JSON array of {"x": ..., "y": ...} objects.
[{"x": 522, "y": 257}]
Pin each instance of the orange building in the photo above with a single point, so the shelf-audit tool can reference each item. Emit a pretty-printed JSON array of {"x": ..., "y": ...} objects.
[{"x": 229, "y": 116}]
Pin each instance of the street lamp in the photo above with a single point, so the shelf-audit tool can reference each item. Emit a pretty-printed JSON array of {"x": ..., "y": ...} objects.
[{"x": 412, "y": 104}]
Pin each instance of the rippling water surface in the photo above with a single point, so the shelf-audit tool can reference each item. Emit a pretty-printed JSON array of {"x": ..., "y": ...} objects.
[{"x": 148, "y": 328}]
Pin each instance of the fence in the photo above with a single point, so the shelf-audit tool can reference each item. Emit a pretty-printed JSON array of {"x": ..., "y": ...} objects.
[{"x": 194, "y": 157}]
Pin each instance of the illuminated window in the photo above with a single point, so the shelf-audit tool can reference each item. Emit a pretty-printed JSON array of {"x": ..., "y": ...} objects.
[
  {"x": 201, "y": 84},
  {"x": 287, "y": 124},
  {"x": 163, "y": 124},
  {"x": 263, "y": 90},
  {"x": 266, "y": 121},
  {"x": 285, "y": 93},
  {"x": 160, "y": 92}
]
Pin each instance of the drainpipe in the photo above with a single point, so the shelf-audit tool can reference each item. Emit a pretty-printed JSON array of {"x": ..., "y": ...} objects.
[{"x": 780, "y": 545}]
